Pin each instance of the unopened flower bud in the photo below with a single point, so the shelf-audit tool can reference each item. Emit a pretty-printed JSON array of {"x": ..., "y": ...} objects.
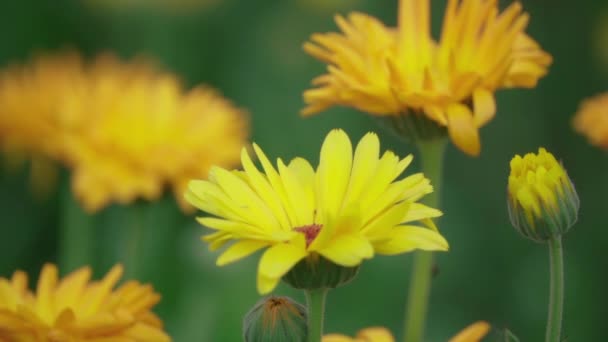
[
  {"x": 276, "y": 319},
  {"x": 541, "y": 198}
]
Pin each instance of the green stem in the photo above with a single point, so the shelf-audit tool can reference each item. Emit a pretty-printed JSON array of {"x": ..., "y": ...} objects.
[
  {"x": 431, "y": 154},
  {"x": 76, "y": 233},
  {"x": 556, "y": 295},
  {"x": 135, "y": 217},
  {"x": 315, "y": 300}
]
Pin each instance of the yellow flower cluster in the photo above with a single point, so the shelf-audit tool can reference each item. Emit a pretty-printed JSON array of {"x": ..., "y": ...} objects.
[
  {"x": 127, "y": 130},
  {"x": 591, "y": 120},
  {"x": 396, "y": 71},
  {"x": 75, "y": 309}
]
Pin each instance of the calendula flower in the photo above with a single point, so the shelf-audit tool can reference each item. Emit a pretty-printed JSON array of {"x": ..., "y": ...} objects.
[
  {"x": 542, "y": 200},
  {"x": 473, "y": 333},
  {"x": 591, "y": 120},
  {"x": 77, "y": 309},
  {"x": 127, "y": 130},
  {"x": 347, "y": 210},
  {"x": 403, "y": 71}
]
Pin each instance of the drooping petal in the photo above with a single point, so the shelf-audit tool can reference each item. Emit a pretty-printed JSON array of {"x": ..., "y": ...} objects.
[
  {"x": 462, "y": 129},
  {"x": 278, "y": 260},
  {"x": 484, "y": 106}
]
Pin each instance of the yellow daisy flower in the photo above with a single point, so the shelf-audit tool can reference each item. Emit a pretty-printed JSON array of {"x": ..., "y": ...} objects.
[
  {"x": 346, "y": 210},
  {"x": 127, "y": 130},
  {"x": 74, "y": 309},
  {"x": 591, "y": 120},
  {"x": 473, "y": 333},
  {"x": 396, "y": 71}
]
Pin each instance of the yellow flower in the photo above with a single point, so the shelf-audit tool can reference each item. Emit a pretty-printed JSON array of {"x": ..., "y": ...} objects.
[
  {"x": 473, "y": 333},
  {"x": 372, "y": 334},
  {"x": 74, "y": 309},
  {"x": 399, "y": 71},
  {"x": 347, "y": 210},
  {"x": 127, "y": 130},
  {"x": 591, "y": 120},
  {"x": 542, "y": 199}
]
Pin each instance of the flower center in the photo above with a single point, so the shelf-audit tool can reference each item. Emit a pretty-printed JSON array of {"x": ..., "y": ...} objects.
[{"x": 310, "y": 232}]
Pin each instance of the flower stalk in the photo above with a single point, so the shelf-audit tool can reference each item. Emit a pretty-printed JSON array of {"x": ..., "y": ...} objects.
[
  {"x": 431, "y": 154},
  {"x": 315, "y": 301},
  {"x": 556, "y": 294},
  {"x": 77, "y": 233}
]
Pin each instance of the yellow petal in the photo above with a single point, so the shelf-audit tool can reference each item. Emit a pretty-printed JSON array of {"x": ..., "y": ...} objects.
[
  {"x": 364, "y": 165},
  {"x": 300, "y": 195},
  {"x": 305, "y": 174},
  {"x": 420, "y": 211},
  {"x": 337, "y": 338},
  {"x": 260, "y": 183},
  {"x": 484, "y": 106},
  {"x": 244, "y": 199},
  {"x": 333, "y": 173},
  {"x": 462, "y": 129},
  {"x": 347, "y": 250},
  {"x": 275, "y": 182},
  {"x": 376, "y": 334},
  {"x": 239, "y": 250},
  {"x": 473, "y": 333},
  {"x": 279, "y": 259},
  {"x": 408, "y": 238},
  {"x": 384, "y": 223}
]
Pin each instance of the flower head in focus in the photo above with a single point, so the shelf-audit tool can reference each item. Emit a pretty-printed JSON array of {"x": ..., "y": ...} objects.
[
  {"x": 402, "y": 71},
  {"x": 347, "y": 210},
  {"x": 473, "y": 333},
  {"x": 591, "y": 120},
  {"x": 76, "y": 309},
  {"x": 542, "y": 200},
  {"x": 126, "y": 129}
]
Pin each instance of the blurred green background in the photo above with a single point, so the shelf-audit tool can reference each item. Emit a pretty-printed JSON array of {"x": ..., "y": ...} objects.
[{"x": 251, "y": 51}]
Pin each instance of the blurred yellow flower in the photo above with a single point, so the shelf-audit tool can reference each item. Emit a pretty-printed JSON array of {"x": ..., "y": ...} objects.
[
  {"x": 372, "y": 334},
  {"x": 347, "y": 210},
  {"x": 473, "y": 333},
  {"x": 74, "y": 309},
  {"x": 541, "y": 197},
  {"x": 126, "y": 130},
  {"x": 591, "y": 120},
  {"x": 400, "y": 71}
]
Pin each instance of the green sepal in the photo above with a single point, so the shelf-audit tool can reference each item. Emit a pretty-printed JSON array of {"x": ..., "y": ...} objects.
[{"x": 316, "y": 272}]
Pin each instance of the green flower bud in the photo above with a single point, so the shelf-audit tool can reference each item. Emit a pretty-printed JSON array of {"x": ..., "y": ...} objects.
[
  {"x": 542, "y": 200},
  {"x": 315, "y": 272},
  {"x": 276, "y": 319}
]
